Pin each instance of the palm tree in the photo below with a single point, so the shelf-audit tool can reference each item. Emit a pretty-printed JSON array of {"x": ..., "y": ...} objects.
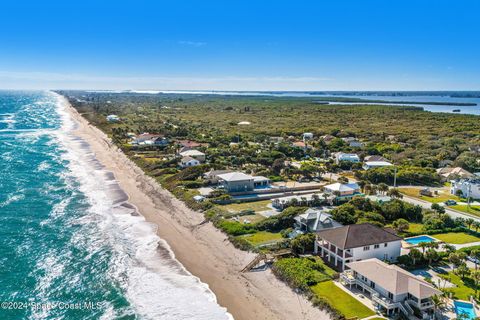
[
  {"x": 382, "y": 187},
  {"x": 475, "y": 254},
  {"x": 438, "y": 303},
  {"x": 367, "y": 189},
  {"x": 415, "y": 255},
  {"x": 423, "y": 246},
  {"x": 395, "y": 193},
  {"x": 475, "y": 275},
  {"x": 469, "y": 222},
  {"x": 431, "y": 255},
  {"x": 476, "y": 225}
]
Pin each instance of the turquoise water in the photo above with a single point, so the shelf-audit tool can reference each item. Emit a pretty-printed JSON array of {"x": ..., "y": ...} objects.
[
  {"x": 71, "y": 247},
  {"x": 419, "y": 239},
  {"x": 465, "y": 308}
]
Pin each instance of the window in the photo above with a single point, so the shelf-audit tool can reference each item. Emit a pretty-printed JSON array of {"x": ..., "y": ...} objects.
[
  {"x": 376, "y": 246},
  {"x": 366, "y": 248},
  {"x": 385, "y": 245},
  {"x": 390, "y": 296}
]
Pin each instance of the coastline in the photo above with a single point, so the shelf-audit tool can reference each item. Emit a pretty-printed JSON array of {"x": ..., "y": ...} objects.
[{"x": 202, "y": 249}]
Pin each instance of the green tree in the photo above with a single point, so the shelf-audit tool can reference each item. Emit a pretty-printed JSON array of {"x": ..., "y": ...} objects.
[
  {"x": 401, "y": 225},
  {"x": 431, "y": 255},
  {"x": 415, "y": 255}
]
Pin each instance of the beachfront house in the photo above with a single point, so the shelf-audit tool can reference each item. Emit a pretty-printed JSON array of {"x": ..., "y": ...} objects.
[
  {"x": 470, "y": 188},
  {"x": 314, "y": 220},
  {"x": 113, "y": 118},
  {"x": 343, "y": 191},
  {"x": 147, "y": 139},
  {"x": 186, "y": 162},
  {"x": 342, "y": 245},
  {"x": 200, "y": 156},
  {"x": 350, "y": 157},
  {"x": 376, "y": 164},
  {"x": 241, "y": 182},
  {"x": 391, "y": 289},
  {"x": 212, "y": 175}
]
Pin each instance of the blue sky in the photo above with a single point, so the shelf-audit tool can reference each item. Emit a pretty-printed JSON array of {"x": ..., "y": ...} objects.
[{"x": 241, "y": 45}]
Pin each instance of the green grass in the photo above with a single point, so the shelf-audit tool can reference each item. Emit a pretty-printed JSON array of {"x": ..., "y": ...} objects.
[
  {"x": 256, "y": 206},
  {"x": 441, "y": 197},
  {"x": 262, "y": 237},
  {"x": 456, "y": 237},
  {"x": 462, "y": 290},
  {"x": 415, "y": 227},
  {"x": 475, "y": 210},
  {"x": 341, "y": 301}
]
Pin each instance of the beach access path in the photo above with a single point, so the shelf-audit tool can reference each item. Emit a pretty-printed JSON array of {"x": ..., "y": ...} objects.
[{"x": 202, "y": 249}]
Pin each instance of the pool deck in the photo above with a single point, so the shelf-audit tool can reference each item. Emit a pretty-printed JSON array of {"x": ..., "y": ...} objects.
[{"x": 408, "y": 245}]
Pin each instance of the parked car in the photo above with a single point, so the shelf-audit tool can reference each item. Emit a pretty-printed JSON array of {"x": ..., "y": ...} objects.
[
  {"x": 450, "y": 202},
  {"x": 474, "y": 260}
]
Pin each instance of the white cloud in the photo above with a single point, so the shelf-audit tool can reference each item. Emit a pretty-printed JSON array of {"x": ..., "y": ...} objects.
[{"x": 192, "y": 43}]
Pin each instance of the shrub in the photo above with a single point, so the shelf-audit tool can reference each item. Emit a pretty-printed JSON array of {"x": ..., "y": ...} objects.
[
  {"x": 282, "y": 221},
  {"x": 300, "y": 273},
  {"x": 234, "y": 228},
  {"x": 303, "y": 243}
]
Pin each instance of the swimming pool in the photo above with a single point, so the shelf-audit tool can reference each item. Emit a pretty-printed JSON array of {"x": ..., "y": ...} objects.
[
  {"x": 465, "y": 308},
  {"x": 420, "y": 239}
]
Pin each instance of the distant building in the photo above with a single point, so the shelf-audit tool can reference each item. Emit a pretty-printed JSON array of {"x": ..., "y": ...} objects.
[
  {"x": 327, "y": 138},
  {"x": 379, "y": 199},
  {"x": 355, "y": 242},
  {"x": 353, "y": 142},
  {"x": 304, "y": 199},
  {"x": 314, "y": 220},
  {"x": 470, "y": 188},
  {"x": 448, "y": 174},
  {"x": 113, "y": 118},
  {"x": 190, "y": 144},
  {"x": 200, "y": 156},
  {"x": 351, "y": 157},
  {"x": 212, "y": 175},
  {"x": 147, "y": 139},
  {"x": 343, "y": 191},
  {"x": 307, "y": 136},
  {"x": 241, "y": 182},
  {"x": 186, "y": 162},
  {"x": 376, "y": 164},
  {"x": 374, "y": 158}
]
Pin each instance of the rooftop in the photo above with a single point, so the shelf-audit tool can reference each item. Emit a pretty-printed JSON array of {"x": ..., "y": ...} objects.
[
  {"x": 235, "y": 176},
  {"x": 357, "y": 235},
  {"x": 342, "y": 187},
  {"x": 393, "y": 278}
]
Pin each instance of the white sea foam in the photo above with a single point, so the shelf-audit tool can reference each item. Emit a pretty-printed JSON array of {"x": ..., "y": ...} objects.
[{"x": 156, "y": 284}]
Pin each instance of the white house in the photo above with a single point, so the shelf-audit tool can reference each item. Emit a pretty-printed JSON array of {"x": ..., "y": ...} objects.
[
  {"x": 186, "y": 162},
  {"x": 307, "y": 136},
  {"x": 147, "y": 139},
  {"x": 342, "y": 191},
  {"x": 113, "y": 118},
  {"x": 314, "y": 220},
  {"x": 351, "y": 157},
  {"x": 390, "y": 287},
  {"x": 200, "y": 156},
  {"x": 376, "y": 164},
  {"x": 241, "y": 182},
  {"x": 470, "y": 187},
  {"x": 353, "y": 142},
  {"x": 356, "y": 242}
]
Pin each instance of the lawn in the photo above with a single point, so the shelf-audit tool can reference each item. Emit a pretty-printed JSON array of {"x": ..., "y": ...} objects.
[
  {"x": 456, "y": 237},
  {"x": 463, "y": 290},
  {"x": 262, "y": 237},
  {"x": 415, "y": 227},
  {"x": 256, "y": 206},
  {"x": 441, "y": 197},
  {"x": 342, "y": 301},
  {"x": 475, "y": 210}
]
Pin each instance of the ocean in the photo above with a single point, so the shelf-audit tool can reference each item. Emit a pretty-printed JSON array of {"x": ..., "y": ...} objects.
[{"x": 71, "y": 246}]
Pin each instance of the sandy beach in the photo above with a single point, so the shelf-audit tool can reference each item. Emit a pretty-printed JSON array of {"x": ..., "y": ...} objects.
[{"x": 202, "y": 249}]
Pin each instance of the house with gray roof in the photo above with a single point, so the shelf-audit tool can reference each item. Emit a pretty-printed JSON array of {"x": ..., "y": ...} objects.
[
  {"x": 391, "y": 288},
  {"x": 314, "y": 220},
  {"x": 340, "y": 246},
  {"x": 241, "y": 182}
]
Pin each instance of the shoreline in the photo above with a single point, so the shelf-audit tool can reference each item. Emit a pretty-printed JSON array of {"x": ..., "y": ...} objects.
[{"x": 203, "y": 250}]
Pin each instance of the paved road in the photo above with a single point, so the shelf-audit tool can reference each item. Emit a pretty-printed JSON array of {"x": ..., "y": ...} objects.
[{"x": 427, "y": 205}]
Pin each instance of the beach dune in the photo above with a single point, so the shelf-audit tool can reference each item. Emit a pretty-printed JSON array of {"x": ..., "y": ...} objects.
[{"x": 202, "y": 249}]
